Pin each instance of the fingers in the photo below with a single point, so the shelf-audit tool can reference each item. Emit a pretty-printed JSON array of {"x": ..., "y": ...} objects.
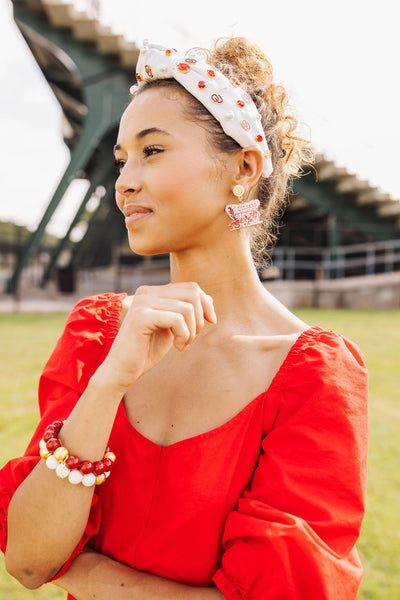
[
  {"x": 181, "y": 315},
  {"x": 176, "y": 323},
  {"x": 187, "y": 292},
  {"x": 187, "y": 300}
]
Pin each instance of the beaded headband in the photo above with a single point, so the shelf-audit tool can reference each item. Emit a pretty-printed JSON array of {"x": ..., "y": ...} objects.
[{"x": 232, "y": 106}]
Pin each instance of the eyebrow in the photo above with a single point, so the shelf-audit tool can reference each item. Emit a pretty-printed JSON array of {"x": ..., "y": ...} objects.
[{"x": 143, "y": 134}]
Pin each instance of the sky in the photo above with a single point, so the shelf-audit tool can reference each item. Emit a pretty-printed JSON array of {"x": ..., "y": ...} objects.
[{"x": 338, "y": 61}]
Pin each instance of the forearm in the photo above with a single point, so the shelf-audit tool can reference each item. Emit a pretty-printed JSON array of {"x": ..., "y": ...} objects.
[
  {"x": 47, "y": 515},
  {"x": 93, "y": 575}
]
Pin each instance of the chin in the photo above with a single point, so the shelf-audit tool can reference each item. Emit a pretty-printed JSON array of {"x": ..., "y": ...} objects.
[{"x": 145, "y": 248}]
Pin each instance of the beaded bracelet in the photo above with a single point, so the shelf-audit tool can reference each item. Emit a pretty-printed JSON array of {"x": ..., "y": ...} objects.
[{"x": 65, "y": 465}]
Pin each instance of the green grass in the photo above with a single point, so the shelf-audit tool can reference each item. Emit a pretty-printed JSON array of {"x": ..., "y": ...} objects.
[{"x": 27, "y": 340}]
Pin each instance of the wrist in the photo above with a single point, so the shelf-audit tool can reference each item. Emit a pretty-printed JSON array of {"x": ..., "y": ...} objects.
[{"x": 101, "y": 384}]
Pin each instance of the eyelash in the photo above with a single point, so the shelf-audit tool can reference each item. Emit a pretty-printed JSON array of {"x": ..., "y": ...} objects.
[
  {"x": 147, "y": 151},
  {"x": 151, "y": 150},
  {"x": 119, "y": 164}
]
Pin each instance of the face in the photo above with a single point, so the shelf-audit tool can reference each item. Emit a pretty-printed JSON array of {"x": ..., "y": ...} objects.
[{"x": 171, "y": 187}]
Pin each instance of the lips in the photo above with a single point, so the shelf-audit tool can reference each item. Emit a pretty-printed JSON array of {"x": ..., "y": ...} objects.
[
  {"x": 134, "y": 213},
  {"x": 132, "y": 209}
]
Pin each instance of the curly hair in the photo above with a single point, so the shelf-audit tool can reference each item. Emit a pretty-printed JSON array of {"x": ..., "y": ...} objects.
[{"x": 240, "y": 58}]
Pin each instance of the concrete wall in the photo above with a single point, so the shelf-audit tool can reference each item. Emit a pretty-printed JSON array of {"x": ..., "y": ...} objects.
[{"x": 369, "y": 291}]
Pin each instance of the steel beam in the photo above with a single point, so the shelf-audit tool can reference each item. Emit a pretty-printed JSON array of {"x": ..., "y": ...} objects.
[{"x": 105, "y": 92}]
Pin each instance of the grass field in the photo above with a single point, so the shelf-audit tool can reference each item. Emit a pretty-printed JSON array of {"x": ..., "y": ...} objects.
[{"x": 26, "y": 341}]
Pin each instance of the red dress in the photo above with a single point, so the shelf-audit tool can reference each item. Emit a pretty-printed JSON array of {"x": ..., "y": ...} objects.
[{"x": 266, "y": 506}]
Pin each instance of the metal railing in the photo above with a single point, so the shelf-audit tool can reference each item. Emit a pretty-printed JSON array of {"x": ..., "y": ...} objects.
[{"x": 332, "y": 263}]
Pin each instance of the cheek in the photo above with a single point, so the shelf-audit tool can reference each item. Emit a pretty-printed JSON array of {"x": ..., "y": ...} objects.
[{"x": 188, "y": 178}]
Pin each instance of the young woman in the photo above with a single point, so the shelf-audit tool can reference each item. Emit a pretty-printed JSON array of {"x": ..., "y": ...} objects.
[{"x": 239, "y": 431}]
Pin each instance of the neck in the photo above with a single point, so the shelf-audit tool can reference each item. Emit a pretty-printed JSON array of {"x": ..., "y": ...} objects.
[{"x": 227, "y": 273}]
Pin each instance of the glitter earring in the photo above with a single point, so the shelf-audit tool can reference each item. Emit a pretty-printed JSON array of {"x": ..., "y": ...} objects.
[{"x": 243, "y": 214}]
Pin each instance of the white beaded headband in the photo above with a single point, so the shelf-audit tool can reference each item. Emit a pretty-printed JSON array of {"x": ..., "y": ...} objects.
[{"x": 232, "y": 106}]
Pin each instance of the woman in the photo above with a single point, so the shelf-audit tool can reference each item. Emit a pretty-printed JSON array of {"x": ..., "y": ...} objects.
[{"x": 239, "y": 431}]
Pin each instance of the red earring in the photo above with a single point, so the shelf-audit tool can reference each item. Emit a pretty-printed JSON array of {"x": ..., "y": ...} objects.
[{"x": 243, "y": 214}]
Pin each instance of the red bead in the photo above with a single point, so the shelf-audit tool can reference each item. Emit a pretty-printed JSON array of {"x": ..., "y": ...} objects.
[
  {"x": 235, "y": 82},
  {"x": 86, "y": 467},
  {"x": 210, "y": 73},
  {"x": 183, "y": 67},
  {"x": 52, "y": 444},
  {"x": 259, "y": 138},
  {"x": 240, "y": 103},
  {"x": 57, "y": 425},
  {"x": 108, "y": 463},
  {"x": 148, "y": 70},
  {"x": 202, "y": 85},
  {"x": 139, "y": 77},
  {"x": 48, "y": 434},
  {"x": 168, "y": 52},
  {"x": 110, "y": 455},
  {"x": 73, "y": 462},
  {"x": 99, "y": 467}
]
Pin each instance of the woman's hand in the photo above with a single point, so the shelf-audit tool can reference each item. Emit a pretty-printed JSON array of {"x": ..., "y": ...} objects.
[{"x": 158, "y": 317}]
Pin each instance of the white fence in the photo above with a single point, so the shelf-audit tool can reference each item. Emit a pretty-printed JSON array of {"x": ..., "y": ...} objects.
[{"x": 333, "y": 263}]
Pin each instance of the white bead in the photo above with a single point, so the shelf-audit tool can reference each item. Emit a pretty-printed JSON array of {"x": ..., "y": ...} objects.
[
  {"x": 75, "y": 476},
  {"x": 229, "y": 116},
  {"x": 62, "y": 471},
  {"x": 51, "y": 462},
  {"x": 107, "y": 473},
  {"x": 89, "y": 479},
  {"x": 133, "y": 88},
  {"x": 42, "y": 444},
  {"x": 163, "y": 69}
]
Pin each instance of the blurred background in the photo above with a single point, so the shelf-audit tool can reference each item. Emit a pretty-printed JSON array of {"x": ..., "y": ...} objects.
[{"x": 66, "y": 70}]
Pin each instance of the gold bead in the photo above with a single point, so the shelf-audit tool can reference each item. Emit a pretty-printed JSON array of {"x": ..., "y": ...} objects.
[
  {"x": 61, "y": 454},
  {"x": 110, "y": 455},
  {"x": 44, "y": 453},
  {"x": 100, "y": 479}
]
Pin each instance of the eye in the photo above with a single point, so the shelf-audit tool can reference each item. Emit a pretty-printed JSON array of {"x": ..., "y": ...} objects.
[
  {"x": 119, "y": 164},
  {"x": 151, "y": 150}
]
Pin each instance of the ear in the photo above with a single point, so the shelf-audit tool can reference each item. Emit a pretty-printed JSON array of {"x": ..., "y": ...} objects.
[{"x": 250, "y": 164}]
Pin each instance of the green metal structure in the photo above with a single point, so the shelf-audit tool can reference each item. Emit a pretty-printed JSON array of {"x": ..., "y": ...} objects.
[{"x": 87, "y": 81}]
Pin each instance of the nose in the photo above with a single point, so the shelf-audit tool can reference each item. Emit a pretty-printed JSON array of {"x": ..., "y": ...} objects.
[{"x": 127, "y": 183}]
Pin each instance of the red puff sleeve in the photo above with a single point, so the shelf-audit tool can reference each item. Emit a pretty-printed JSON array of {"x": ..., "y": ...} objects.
[
  {"x": 87, "y": 337},
  {"x": 292, "y": 536}
]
